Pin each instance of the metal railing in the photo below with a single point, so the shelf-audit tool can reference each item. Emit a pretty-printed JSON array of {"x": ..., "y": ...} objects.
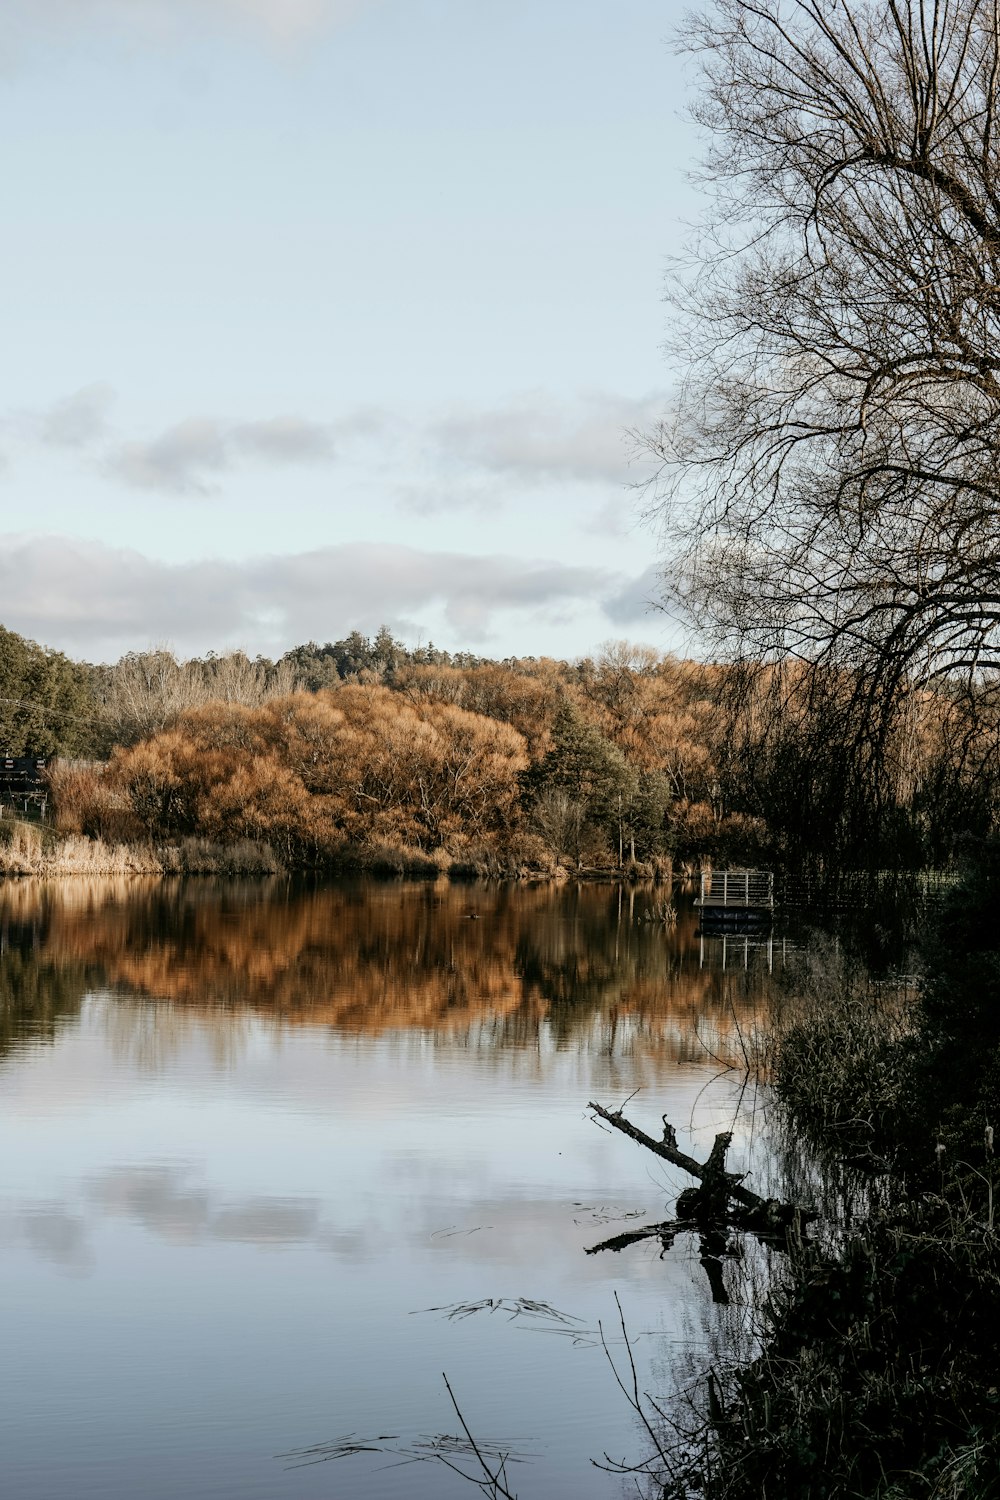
[{"x": 743, "y": 889}]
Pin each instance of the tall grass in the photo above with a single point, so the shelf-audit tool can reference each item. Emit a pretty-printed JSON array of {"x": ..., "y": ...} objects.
[
  {"x": 835, "y": 1048},
  {"x": 875, "y": 1377},
  {"x": 32, "y": 849}
]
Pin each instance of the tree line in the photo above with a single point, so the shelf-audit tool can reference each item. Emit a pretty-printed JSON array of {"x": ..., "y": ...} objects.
[{"x": 629, "y": 758}]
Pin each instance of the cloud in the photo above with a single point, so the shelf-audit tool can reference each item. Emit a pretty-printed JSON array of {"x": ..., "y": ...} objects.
[
  {"x": 92, "y": 599},
  {"x": 637, "y": 600},
  {"x": 76, "y": 420},
  {"x": 180, "y": 460},
  {"x": 287, "y": 440},
  {"x": 536, "y": 437},
  {"x": 187, "y": 458},
  {"x": 465, "y": 459},
  {"x": 283, "y": 21}
]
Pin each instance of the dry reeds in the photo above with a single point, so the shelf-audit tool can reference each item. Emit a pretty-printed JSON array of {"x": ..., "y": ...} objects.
[{"x": 32, "y": 849}]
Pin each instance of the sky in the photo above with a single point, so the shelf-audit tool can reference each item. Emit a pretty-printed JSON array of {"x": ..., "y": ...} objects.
[{"x": 323, "y": 314}]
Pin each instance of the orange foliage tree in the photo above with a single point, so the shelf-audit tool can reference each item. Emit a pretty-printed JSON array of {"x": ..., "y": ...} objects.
[
  {"x": 525, "y": 695},
  {"x": 311, "y": 771}
]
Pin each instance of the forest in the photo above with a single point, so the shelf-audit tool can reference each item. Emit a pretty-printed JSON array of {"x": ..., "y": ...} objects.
[{"x": 365, "y": 751}]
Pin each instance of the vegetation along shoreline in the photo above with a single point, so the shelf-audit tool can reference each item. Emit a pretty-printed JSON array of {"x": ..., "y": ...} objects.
[{"x": 364, "y": 754}]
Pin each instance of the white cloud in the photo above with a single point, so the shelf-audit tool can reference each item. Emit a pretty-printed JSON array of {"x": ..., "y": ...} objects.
[
  {"x": 285, "y": 439},
  {"x": 183, "y": 460},
  {"x": 460, "y": 460},
  {"x": 187, "y": 458},
  {"x": 76, "y": 420},
  {"x": 95, "y": 600},
  {"x": 535, "y": 437}
]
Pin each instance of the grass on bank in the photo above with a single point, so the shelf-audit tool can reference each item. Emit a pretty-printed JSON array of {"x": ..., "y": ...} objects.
[
  {"x": 34, "y": 849},
  {"x": 877, "y": 1375}
]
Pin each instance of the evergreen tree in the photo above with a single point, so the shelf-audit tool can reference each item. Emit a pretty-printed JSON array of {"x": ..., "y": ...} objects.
[
  {"x": 588, "y": 769},
  {"x": 46, "y": 706}
]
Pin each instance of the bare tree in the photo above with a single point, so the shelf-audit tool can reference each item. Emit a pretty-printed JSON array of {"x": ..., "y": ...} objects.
[
  {"x": 146, "y": 690},
  {"x": 829, "y": 485},
  {"x": 560, "y": 819}
]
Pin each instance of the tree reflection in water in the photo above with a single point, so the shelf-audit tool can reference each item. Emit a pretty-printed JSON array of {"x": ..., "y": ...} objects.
[
  {"x": 489, "y": 967},
  {"x": 358, "y": 1100}
]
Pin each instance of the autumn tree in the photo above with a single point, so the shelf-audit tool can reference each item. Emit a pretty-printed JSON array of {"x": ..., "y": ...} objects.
[
  {"x": 425, "y": 774},
  {"x": 524, "y": 697},
  {"x": 146, "y": 690},
  {"x": 312, "y": 772},
  {"x": 659, "y": 711}
]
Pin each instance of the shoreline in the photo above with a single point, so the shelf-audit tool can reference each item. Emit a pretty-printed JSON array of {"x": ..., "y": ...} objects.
[{"x": 29, "y": 849}]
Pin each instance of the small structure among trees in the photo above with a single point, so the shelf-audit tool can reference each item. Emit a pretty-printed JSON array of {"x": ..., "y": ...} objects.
[{"x": 23, "y": 783}]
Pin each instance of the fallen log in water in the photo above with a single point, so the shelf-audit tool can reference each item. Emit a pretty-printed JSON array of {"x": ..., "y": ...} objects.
[{"x": 709, "y": 1203}]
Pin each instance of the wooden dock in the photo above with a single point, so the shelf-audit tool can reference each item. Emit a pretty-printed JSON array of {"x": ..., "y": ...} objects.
[{"x": 736, "y": 897}]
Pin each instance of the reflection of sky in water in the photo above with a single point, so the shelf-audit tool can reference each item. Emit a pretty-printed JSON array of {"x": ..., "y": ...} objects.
[{"x": 218, "y": 1220}]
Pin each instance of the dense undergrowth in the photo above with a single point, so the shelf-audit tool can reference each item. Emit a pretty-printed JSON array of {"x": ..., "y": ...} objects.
[{"x": 875, "y": 1373}]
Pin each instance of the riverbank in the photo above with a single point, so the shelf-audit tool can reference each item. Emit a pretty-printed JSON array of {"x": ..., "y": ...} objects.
[
  {"x": 875, "y": 1371},
  {"x": 30, "y": 848}
]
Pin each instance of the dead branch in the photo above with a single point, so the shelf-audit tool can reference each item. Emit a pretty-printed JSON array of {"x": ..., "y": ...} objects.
[
  {"x": 665, "y": 1232},
  {"x": 711, "y": 1174},
  {"x": 708, "y": 1206}
]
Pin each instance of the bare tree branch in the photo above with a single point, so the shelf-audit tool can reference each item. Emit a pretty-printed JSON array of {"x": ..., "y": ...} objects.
[{"x": 828, "y": 484}]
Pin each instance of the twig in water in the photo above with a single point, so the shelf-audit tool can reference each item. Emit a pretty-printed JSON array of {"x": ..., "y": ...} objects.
[
  {"x": 492, "y": 1483},
  {"x": 739, "y": 1033},
  {"x": 634, "y": 1398},
  {"x": 516, "y": 1307}
]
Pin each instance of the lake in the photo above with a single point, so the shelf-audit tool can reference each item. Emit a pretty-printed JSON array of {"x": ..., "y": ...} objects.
[{"x": 274, "y": 1158}]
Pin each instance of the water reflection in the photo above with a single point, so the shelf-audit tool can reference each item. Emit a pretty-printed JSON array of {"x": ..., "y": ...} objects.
[
  {"x": 163, "y": 1199},
  {"x": 250, "y": 1130},
  {"x": 54, "y": 1234},
  {"x": 482, "y": 966}
]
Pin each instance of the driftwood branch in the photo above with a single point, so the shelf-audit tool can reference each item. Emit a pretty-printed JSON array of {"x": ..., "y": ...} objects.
[
  {"x": 707, "y": 1207},
  {"x": 711, "y": 1174},
  {"x": 666, "y": 1232}
]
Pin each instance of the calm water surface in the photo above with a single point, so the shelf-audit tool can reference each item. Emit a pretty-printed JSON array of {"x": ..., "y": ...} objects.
[{"x": 256, "y": 1141}]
